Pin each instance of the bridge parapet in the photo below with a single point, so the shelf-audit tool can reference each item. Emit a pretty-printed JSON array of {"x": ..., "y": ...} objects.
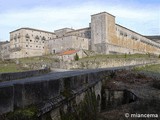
[{"x": 37, "y": 90}]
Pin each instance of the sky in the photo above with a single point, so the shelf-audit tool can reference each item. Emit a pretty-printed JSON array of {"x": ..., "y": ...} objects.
[{"x": 142, "y": 16}]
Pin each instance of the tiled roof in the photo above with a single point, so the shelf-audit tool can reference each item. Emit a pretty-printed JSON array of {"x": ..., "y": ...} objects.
[{"x": 68, "y": 52}]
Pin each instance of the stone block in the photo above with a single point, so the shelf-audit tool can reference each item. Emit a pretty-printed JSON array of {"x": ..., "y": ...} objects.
[
  {"x": 54, "y": 88},
  {"x": 6, "y": 99}
]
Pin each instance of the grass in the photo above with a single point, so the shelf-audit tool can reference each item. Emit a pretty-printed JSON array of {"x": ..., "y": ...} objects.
[
  {"x": 149, "y": 68},
  {"x": 11, "y": 67},
  {"x": 39, "y": 59}
]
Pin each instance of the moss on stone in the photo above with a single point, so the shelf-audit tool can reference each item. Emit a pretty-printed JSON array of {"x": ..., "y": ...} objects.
[
  {"x": 66, "y": 93},
  {"x": 85, "y": 110},
  {"x": 29, "y": 113}
]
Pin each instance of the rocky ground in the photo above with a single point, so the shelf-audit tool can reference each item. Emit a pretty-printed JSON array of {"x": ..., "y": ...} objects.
[{"x": 147, "y": 90}]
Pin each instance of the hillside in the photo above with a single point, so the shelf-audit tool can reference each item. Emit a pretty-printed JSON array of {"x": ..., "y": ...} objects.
[{"x": 33, "y": 63}]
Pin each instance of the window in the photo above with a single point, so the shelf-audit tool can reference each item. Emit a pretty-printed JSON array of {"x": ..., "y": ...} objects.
[
  {"x": 30, "y": 40},
  {"x": 121, "y": 33},
  {"x": 26, "y": 45},
  {"x": 27, "y": 36},
  {"x": 19, "y": 36},
  {"x": 43, "y": 38},
  {"x": 37, "y": 37},
  {"x": 15, "y": 37},
  {"x": 125, "y": 34}
]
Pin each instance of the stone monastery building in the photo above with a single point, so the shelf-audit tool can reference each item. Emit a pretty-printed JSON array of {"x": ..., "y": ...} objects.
[{"x": 102, "y": 36}]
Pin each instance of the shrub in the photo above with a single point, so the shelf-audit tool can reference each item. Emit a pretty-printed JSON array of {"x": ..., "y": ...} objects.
[
  {"x": 149, "y": 55},
  {"x": 125, "y": 55},
  {"x": 29, "y": 113},
  {"x": 76, "y": 57}
]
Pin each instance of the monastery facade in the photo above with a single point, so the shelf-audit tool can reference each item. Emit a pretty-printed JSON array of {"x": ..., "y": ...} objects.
[{"x": 102, "y": 35}]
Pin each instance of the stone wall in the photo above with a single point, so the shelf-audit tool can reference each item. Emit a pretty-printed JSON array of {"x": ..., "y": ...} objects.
[
  {"x": 62, "y": 32},
  {"x": 49, "y": 91},
  {"x": 108, "y": 37},
  {"x": 67, "y": 42},
  {"x": 116, "y": 49},
  {"x": 132, "y": 40},
  {"x": 114, "y": 98},
  {"x": 84, "y": 32},
  {"x": 20, "y": 75},
  {"x": 28, "y": 42},
  {"x": 115, "y": 62},
  {"x": 5, "y": 50}
]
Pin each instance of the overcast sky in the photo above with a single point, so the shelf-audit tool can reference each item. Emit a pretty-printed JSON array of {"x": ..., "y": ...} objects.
[{"x": 142, "y": 16}]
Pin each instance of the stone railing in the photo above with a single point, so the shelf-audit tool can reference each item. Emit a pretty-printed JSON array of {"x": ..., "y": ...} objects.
[{"x": 19, "y": 75}]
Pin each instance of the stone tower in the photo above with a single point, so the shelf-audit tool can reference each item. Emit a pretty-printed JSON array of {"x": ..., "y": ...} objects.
[{"x": 102, "y": 31}]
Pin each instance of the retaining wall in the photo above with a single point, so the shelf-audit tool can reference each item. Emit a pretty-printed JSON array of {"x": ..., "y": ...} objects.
[{"x": 108, "y": 63}]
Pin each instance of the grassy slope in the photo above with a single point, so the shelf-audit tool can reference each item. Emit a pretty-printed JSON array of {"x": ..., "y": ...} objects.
[
  {"x": 11, "y": 66},
  {"x": 149, "y": 68}
]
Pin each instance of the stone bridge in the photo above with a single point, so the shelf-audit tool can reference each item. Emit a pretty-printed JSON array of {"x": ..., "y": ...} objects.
[{"x": 54, "y": 91}]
